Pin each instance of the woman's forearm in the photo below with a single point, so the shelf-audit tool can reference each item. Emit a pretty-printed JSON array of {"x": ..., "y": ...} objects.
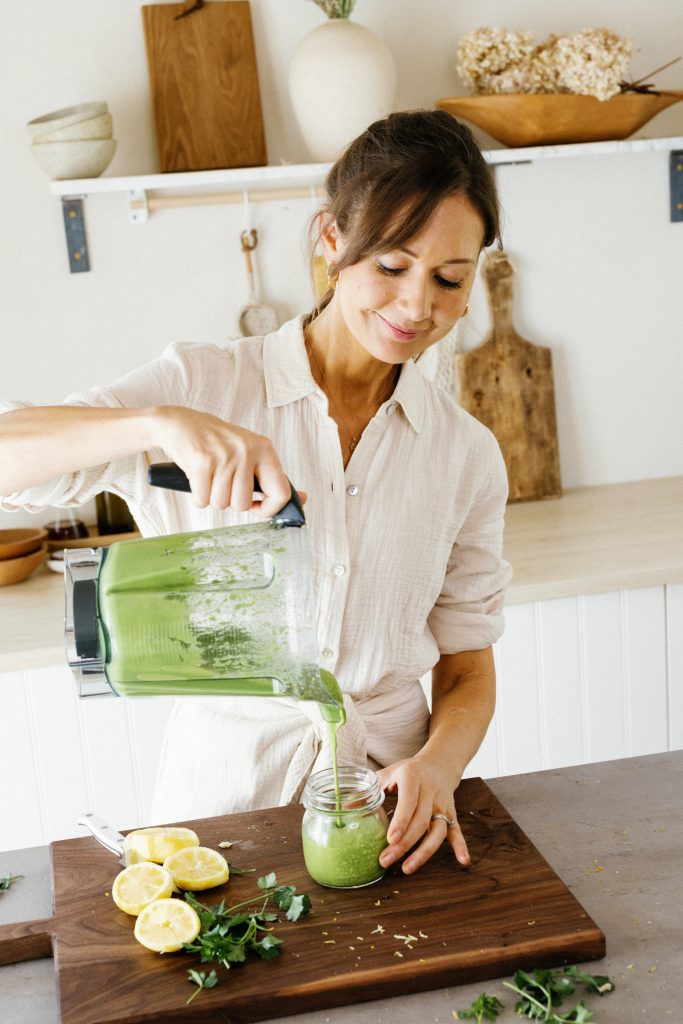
[
  {"x": 43, "y": 442},
  {"x": 463, "y": 702}
]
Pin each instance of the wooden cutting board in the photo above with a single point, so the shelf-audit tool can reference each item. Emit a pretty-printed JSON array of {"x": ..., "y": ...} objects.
[
  {"x": 204, "y": 85},
  {"x": 510, "y": 910},
  {"x": 507, "y": 383}
]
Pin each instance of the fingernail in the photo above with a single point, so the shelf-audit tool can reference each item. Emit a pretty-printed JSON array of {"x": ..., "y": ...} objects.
[
  {"x": 386, "y": 859},
  {"x": 394, "y": 835}
]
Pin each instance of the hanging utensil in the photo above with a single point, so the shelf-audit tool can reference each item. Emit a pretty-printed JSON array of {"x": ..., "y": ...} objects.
[{"x": 256, "y": 318}]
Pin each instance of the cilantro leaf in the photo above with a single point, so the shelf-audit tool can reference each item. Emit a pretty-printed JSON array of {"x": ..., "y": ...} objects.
[
  {"x": 268, "y": 948},
  {"x": 484, "y": 1007},
  {"x": 6, "y": 880},
  {"x": 267, "y": 881},
  {"x": 599, "y": 983},
  {"x": 202, "y": 980}
]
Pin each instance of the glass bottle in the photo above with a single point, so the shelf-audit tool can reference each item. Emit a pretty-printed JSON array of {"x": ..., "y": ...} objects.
[
  {"x": 113, "y": 515},
  {"x": 343, "y": 836},
  {"x": 66, "y": 526}
]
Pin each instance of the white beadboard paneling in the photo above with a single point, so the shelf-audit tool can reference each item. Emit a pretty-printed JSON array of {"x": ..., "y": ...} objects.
[
  {"x": 57, "y": 733},
  {"x": 602, "y": 670},
  {"x": 674, "y": 645},
  {"x": 109, "y": 756},
  {"x": 557, "y": 638},
  {"x": 645, "y": 671},
  {"x": 21, "y": 807},
  {"x": 518, "y": 720},
  {"x": 147, "y": 720}
]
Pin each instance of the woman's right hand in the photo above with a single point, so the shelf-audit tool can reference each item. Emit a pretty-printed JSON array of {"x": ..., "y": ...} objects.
[{"x": 221, "y": 461}]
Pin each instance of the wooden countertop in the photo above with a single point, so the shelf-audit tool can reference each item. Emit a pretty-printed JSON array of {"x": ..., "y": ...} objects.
[{"x": 591, "y": 540}]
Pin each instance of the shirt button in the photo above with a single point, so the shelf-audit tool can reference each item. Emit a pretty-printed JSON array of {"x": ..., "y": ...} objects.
[
  {"x": 352, "y": 490},
  {"x": 338, "y": 570},
  {"x": 327, "y": 652},
  {"x": 390, "y": 408}
]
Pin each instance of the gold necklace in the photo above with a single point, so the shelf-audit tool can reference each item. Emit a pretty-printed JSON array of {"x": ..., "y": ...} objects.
[{"x": 353, "y": 441}]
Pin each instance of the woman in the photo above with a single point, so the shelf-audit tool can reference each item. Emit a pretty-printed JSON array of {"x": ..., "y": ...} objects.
[{"x": 406, "y": 492}]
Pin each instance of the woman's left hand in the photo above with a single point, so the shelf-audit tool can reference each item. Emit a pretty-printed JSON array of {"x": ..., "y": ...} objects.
[{"x": 422, "y": 793}]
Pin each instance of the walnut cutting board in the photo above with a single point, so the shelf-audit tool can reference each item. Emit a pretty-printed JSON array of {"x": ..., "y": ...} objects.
[
  {"x": 507, "y": 383},
  {"x": 204, "y": 85},
  {"x": 510, "y": 910}
]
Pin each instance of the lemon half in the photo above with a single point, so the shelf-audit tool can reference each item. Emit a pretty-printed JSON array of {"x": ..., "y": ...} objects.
[
  {"x": 139, "y": 885},
  {"x": 197, "y": 867},
  {"x": 166, "y": 925},
  {"x": 159, "y": 842}
]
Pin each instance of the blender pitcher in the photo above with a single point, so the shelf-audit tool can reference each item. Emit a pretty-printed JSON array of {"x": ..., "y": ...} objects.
[{"x": 220, "y": 612}]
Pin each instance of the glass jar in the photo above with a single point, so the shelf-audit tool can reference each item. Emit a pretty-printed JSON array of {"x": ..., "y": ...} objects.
[
  {"x": 342, "y": 844},
  {"x": 67, "y": 526}
]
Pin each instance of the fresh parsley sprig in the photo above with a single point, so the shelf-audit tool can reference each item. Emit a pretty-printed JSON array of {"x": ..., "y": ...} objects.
[
  {"x": 226, "y": 936},
  {"x": 484, "y": 1007},
  {"x": 6, "y": 880},
  {"x": 541, "y": 992}
]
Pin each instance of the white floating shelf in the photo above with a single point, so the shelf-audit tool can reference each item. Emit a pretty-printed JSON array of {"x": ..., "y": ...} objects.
[{"x": 287, "y": 177}]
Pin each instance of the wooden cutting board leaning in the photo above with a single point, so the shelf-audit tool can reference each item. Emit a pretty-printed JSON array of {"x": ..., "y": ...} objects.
[
  {"x": 204, "y": 85},
  {"x": 441, "y": 926},
  {"x": 507, "y": 383}
]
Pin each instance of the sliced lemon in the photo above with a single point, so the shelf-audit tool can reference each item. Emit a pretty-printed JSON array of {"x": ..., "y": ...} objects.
[
  {"x": 159, "y": 842},
  {"x": 197, "y": 867},
  {"x": 166, "y": 925},
  {"x": 139, "y": 885}
]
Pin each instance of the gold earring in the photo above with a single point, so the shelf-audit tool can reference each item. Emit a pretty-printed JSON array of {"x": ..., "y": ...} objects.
[{"x": 331, "y": 279}]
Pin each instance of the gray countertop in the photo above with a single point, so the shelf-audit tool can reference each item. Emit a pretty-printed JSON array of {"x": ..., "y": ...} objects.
[{"x": 612, "y": 831}]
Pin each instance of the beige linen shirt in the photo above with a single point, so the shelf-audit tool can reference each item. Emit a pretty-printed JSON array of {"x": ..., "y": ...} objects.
[{"x": 406, "y": 551}]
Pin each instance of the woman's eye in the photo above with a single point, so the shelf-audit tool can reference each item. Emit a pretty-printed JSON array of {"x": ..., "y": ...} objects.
[
  {"x": 383, "y": 269},
  {"x": 445, "y": 283}
]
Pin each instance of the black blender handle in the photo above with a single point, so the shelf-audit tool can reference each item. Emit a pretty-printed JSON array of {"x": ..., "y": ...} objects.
[{"x": 172, "y": 477}]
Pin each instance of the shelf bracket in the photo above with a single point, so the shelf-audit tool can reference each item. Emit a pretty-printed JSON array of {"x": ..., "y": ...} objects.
[
  {"x": 676, "y": 184},
  {"x": 137, "y": 204},
  {"x": 74, "y": 226}
]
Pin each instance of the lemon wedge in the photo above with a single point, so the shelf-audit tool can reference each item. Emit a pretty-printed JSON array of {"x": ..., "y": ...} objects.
[
  {"x": 139, "y": 885},
  {"x": 166, "y": 925},
  {"x": 197, "y": 867},
  {"x": 158, "y": 843}
]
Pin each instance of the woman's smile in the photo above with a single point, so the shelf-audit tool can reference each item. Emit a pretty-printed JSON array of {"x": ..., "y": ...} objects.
[{"x": 397, "y": 332}]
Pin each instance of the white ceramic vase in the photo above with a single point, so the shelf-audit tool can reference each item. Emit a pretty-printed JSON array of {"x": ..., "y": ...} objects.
[{"x": 342, "y": 77}]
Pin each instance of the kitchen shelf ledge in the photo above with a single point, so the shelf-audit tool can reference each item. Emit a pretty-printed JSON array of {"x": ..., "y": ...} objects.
[
  {"x": 591, "y": 540},
  {"x": 292, "y": 181}
]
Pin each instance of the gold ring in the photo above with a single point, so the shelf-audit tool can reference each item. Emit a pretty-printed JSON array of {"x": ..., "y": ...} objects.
[{"x": 450, "y": 822}]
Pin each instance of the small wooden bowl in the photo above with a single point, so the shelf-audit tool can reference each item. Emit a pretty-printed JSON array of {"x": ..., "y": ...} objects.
[
  {"x": 14, "y": 570},
  {"x": 535, "y": 119},
  {"x": 14, "y": 543}
]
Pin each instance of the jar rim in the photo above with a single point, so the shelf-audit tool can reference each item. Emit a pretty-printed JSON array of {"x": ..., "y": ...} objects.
[{"x": 358, "y": 785}]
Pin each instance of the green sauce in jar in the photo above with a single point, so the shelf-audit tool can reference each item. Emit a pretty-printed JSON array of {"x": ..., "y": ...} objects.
[{"x": 344, "y": 832}]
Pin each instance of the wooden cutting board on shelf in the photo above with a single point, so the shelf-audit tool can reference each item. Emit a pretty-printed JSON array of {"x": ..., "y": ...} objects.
[
  {"x": 204, "y": 84},
  {"x": 510, "y": 910},
  {"x": 507, "y": 383}
]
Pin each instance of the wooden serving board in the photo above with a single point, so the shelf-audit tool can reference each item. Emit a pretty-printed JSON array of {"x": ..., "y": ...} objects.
[
  {"x": 204, "y": 84},
  {"x": 507, "y": 384},
  {"x": 510, "y": 910}
]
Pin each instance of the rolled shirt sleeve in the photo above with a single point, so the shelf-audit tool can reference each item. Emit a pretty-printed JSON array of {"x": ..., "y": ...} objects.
[{"x": 468, "y": 614}]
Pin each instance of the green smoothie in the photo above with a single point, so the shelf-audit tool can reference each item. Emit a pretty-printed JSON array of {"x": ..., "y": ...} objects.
[
  {"x": 213, "y": 613},
  {"x": 346, "y": 856}
]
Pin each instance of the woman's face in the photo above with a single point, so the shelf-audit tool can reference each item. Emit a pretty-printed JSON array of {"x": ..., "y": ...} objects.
[{"x": 400, "y": 302}]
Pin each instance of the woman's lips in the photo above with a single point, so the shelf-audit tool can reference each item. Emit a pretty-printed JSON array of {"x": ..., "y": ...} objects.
[{"x": 398, "y": 332}]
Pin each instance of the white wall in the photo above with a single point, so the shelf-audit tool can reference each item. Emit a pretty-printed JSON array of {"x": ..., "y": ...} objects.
[{"x": 599, "y": 264}]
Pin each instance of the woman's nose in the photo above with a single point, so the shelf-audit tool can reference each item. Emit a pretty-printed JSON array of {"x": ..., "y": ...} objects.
[{"x": 416, "y": 298}]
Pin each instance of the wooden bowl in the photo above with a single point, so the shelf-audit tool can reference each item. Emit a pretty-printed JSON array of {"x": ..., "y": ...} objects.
[
  {"x": 534, "y": 119},
  {"x": 14, "y": 570},
  {"x": 14, "y": 543}
]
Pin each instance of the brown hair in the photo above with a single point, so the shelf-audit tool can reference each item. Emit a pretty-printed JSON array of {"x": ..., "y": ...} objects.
[{"x": 387, "y": 184}]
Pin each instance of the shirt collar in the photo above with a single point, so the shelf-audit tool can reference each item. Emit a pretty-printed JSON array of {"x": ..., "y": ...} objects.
[{"x": 288, "y": 376}]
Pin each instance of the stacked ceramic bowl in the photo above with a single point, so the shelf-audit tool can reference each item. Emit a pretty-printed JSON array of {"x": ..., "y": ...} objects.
[
  {"x": 21, "y": 552},
  {"x": 75, "y": 142}
]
